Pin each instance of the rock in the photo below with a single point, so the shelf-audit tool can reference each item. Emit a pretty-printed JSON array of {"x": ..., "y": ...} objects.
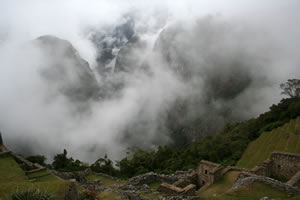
[
  {"x": 151, "y": 177},
  {"x": 71, "y": 192},
  {"x": 132, "y": 195}
]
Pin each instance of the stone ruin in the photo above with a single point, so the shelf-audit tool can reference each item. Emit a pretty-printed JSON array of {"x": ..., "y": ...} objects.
[
  {"x": 280, "y": 165},
  {"x": 186, "y": 186},
  {"x": 208, "y": 172}
]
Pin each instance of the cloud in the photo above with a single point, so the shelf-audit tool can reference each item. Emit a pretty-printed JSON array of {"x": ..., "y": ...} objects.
[{"x": 210, "y": 44}]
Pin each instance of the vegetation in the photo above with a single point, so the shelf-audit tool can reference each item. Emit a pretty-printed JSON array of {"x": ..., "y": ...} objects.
[
  {"x": 291, "y": 88},
  {"x": 37, "y": 159},
  {"x": 104, "y": 165},
  {"x": 14, "y": 179},
  {"x": 30, "y": 194},
  {"x": 87, "y": 195},
  {"x": 280, "y": 139},
  {"x": 226, "y": 147},
  {"x": 63, "y": 163}
]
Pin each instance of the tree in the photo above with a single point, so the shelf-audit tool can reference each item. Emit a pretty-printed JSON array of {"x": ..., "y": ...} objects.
[
  {"x": 291, "y": 88},
  {"x": 62, "y": 163}
]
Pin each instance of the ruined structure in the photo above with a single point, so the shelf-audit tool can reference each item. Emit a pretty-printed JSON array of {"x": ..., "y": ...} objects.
[
  {"x": 171, "y": 190},
  {"x": 185, "y": 186},
  {"x": 208, "y": 172},
  {"x": 279, "y": 165}
]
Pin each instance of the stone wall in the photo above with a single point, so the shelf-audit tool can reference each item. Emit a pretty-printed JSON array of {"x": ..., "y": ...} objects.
[
  {"x": 71, "y": 192},
  {"x": 284, "y": 165},
  {"x": 79, "y": 176},
  {"x": 295, "y": 180},
  {"x": 247, "y": 179},
  {"x": 233, "y": 168},
  {"x": 152, "y": 177},
  {"x": 208, "y": 172},
  {"x": 172, "y": 190}
]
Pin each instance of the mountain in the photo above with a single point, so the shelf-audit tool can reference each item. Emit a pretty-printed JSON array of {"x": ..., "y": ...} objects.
[{"x": 64, "y": 70}]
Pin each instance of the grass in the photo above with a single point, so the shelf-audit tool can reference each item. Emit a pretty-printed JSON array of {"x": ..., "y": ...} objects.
[
  {"x": 12, "y": 178},
  {"x": 105, "y": 181},
  {"x": 41, "y": 176},
  {"x": 220, "y": 186},
  {"x": 108, "y": 195},
  {"x": 153, "y": 196},
  {"x": 280, "y": 139},
  {"x": 10, "y": 171},
  {"x": 154, "y": 185},
  {"x": 254, "y": 191}
]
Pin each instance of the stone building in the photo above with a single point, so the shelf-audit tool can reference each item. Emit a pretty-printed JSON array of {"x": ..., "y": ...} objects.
[
  {"x": 208, "y": 172},
  {"x": 279, "y": 165}
]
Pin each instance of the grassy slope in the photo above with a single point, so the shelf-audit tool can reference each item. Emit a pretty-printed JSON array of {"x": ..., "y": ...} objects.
[
  {"x": 280, "y": 139},
  {"x": 12, "y": 178}
]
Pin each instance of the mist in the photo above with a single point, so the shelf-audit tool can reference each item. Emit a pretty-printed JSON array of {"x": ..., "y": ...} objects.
[{"x": 100, "y": 77}]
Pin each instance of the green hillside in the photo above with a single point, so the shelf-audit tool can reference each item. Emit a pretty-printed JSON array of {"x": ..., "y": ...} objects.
[
  {"x": 13, "y": 178},
  {"x": 280, "y": 139}
]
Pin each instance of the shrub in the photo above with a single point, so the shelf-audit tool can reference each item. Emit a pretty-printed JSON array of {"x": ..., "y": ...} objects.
[
  {"x": 30, "y": 194},
  {"x": 87, "y": 195}
]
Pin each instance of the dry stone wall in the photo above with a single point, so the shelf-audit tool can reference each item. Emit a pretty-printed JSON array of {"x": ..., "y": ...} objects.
[
  {"x": 247, "y": 179},
  {"x": 152, "y": 177},
  {"x": 284, "y": 165}
]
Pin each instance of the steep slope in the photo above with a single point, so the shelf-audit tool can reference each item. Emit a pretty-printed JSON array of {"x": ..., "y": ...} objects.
[
  {"x": 64, "y": 70},
  {"x": 282, "y": 139}
]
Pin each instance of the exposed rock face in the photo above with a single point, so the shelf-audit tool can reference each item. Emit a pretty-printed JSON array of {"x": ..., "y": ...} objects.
[
  {"x": 130, "y": 57},
  {"x": 64, "y": 70},
  {"x": 197, "y": 54}
]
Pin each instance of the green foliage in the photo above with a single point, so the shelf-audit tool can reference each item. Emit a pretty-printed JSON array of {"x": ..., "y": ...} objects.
[
  {"x": 30, "y": 194},
  {"x": 63, "y": 163},
  {"x": 37, "y": 159},
  {"x": 226, "y": 147},
  {"x": 104, "y": 165},
  {"x": 87, "y": 195},
  {"x": 291, "y": 88}
]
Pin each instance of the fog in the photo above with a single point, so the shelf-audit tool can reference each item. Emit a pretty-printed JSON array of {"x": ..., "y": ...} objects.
[{"x": 152, "y": 66}]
